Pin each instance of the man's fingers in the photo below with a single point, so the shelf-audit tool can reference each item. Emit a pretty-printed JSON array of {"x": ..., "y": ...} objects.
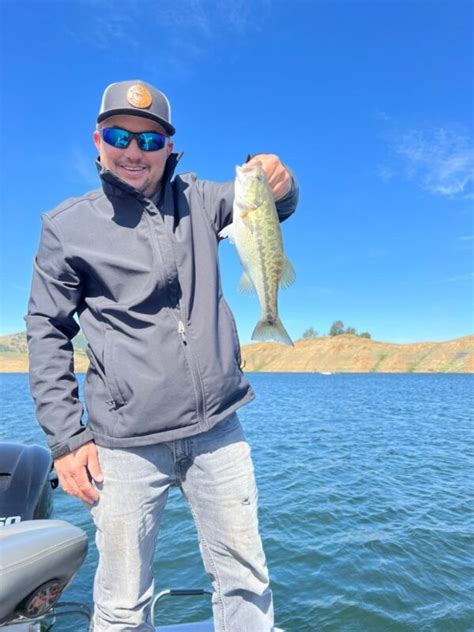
[
  {"x": 85, "y": 491},
  {"x": 280, "y": 184},
  {"x": 79, "y": 487},
  {"x": 69, "y": 485},
  {"x": 94, "y": 466},
  {"x": 73, "y": 471},
  {"x": 278, "y": 177}
]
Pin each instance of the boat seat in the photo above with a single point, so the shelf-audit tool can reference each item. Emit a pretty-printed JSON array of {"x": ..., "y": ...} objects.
[{"x": 38, "y": 559}]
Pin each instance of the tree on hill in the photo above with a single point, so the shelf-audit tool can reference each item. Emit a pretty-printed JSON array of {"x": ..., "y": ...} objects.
[
  {"x": 337, "y": 328},
  {"x": 310, "y": 333}
]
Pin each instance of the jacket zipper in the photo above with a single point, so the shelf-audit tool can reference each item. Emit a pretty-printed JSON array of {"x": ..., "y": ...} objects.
[
  {"x": 197, "y": 380},
  {"x": 181, "y": 330}
]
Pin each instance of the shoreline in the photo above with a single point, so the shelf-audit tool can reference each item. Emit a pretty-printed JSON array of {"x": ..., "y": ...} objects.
[{"x": 345, "y": 353}]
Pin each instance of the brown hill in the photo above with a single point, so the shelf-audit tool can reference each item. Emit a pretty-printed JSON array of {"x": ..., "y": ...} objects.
[
  {"x": 14, "y": 353},
  {"x": 353, "y": 354},
  {"x": 345, "y": 353}
]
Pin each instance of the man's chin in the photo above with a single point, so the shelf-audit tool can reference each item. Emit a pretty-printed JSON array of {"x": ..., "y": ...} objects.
[
  {"x": 137, "y": 183},
  {"x": 139, "y": 186},
  {"x": 143, "y": 184}
]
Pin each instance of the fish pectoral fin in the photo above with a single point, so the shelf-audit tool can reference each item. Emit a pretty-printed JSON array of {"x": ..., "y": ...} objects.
[
  {"x": 245, "y": 284},
  {"x": 249, "y": 226},
  {"x": 288, "y": 275},
  {"x": 227, "y": 232}
]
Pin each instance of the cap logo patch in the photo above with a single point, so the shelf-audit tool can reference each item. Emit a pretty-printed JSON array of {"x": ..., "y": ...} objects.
[{"x": 139, "y": 96}]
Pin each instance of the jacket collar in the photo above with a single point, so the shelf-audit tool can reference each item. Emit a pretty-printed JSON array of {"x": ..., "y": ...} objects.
[{"x": 116, "y": 187}]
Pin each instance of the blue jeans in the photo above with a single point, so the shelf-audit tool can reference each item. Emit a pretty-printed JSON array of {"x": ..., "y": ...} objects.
[{"x": 215, "y": 474}]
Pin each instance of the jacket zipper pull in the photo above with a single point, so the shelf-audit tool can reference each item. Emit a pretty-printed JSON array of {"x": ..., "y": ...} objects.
[{"x": 181, "y": 330}]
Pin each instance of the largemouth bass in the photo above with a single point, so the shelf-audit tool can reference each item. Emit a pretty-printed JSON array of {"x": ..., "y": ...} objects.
[{"x": 256, "y": 233}]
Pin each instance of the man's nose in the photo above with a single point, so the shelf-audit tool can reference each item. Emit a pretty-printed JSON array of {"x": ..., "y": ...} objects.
[{"x": 133, "y": 151}]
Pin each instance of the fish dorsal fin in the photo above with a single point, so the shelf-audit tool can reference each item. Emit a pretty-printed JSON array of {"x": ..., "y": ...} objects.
[
  {"x": 288, "y": 275},
  {"x": 245, "y": 284}
]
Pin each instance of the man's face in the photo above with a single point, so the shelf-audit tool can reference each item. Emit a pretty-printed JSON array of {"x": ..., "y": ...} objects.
[{"x": 141, "y": 169}]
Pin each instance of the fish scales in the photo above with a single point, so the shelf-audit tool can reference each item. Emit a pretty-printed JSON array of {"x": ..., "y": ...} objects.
[{"x": 271, "y": 264}]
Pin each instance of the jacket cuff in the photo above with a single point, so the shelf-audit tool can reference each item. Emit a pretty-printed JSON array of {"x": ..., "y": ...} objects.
[{"x": 71, "y": 444}]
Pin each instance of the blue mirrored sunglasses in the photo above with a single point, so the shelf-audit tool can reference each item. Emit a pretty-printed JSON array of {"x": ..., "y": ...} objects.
[{"x": 121, "y": 138}]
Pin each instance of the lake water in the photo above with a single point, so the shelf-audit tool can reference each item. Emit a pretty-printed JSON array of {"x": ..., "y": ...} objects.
[{"x": 366, "y": 502}]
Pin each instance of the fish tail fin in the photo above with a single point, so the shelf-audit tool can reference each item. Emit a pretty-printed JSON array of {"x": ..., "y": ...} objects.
[{"x": 271, "y": 330}]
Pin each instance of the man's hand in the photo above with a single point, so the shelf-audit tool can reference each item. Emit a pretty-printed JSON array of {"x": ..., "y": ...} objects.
[
  {"x": 76, "y": 469},
  {"x": 278, "y": 177}
]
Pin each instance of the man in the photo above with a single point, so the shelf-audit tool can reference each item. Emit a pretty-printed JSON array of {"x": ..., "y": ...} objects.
[{"x": 137, "y": 261}]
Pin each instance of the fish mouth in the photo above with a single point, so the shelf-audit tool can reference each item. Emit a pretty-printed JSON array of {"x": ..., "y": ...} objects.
[
  {"x": 246, "y": 175},
  {"x": 252, "y": 166},
  {"x": 240, "y": 173},
  {"x": 246, "y": 169}
]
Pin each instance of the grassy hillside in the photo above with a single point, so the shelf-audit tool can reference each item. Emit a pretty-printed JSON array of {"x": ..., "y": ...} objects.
[
  {"x": 344, "y": 353},
  {"x": 14, "y": 353},
  {"x": 352, "y": 354}
]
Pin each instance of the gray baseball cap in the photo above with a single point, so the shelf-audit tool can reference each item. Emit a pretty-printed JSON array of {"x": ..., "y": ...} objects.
[{"x": 139, "y": 99}]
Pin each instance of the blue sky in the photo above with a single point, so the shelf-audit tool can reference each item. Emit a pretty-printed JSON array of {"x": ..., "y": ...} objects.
[{"x": 370, "y": 103}]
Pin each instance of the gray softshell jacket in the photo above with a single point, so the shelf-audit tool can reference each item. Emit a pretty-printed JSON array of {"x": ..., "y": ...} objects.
[{"x": 144, "y": 280}]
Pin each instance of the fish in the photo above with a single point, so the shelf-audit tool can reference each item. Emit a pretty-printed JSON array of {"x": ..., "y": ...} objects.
[{"x": 255, "y": 231}]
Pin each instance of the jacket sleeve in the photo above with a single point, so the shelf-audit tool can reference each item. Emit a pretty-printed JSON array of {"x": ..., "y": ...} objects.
[
  {"x": 50, "y": 327},
  {"x": 219, "y": 198}
]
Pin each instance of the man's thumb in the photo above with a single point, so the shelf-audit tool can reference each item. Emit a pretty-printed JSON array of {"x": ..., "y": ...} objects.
[{"x": 93, "y": 465}]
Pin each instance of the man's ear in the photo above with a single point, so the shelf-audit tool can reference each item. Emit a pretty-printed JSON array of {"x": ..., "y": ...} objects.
[{"x": 96, "y": 138}]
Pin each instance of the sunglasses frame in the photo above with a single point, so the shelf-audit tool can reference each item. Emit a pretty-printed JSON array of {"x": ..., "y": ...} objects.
[{"x": 131, "y": 136}]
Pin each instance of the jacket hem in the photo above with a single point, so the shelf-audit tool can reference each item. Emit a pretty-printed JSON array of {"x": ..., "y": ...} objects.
[{"x": 106, "y": 441}]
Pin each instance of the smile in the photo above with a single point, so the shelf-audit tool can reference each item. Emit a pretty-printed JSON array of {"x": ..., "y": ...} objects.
[{"x": 133, "y": 169}]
